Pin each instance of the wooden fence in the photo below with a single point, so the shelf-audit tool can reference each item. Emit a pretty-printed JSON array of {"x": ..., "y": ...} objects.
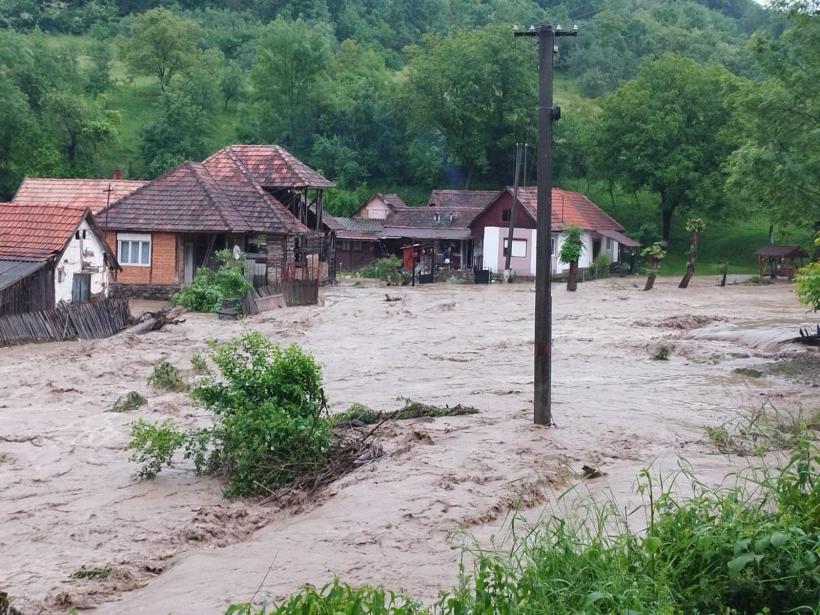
[{"x": 74, "y": 321}]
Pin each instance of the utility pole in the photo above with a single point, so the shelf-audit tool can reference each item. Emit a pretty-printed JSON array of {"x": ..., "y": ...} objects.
[
  {"x": 542, "y": 397},
  {"x": 507, "y": 263}
]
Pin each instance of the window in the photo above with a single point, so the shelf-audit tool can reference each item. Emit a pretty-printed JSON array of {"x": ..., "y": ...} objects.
[
  {"x": 519, "y": 247},
  {"x": 506, "y": 214},
  {"x": 351, "y": 246},
  {"x": 608, "y": 243},
  {"x": 133, "y": 249},
  {"x": 435, "y": 217}
]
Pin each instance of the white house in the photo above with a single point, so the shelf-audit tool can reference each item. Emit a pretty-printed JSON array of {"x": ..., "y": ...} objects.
[
  {"x": 601, "y": 234},
  {"x": 51, "y": 253}
]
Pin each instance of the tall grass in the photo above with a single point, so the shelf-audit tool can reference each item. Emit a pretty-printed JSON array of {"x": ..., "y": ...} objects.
[{"x": 751, "y": 547}]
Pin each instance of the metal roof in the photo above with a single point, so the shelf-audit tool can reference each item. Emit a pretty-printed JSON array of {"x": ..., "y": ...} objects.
[{"x": 14, "y": 271}]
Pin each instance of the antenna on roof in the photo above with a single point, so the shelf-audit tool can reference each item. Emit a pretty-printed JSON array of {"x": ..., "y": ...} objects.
[{"x": 108, "y": 192}]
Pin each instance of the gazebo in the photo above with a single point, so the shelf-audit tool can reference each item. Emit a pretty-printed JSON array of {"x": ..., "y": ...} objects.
[{"x": 776, "y": 260}]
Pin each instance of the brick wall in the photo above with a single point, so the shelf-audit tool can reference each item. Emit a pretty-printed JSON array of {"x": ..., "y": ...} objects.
[{"x": 166, "y": 261}]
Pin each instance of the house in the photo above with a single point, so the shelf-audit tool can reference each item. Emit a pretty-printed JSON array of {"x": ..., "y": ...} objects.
[
  {"x": 94, "y": 194},
  {"x": 290, "y": 182},
  {"x": 379, "y": 206},
  {"x": 601, "y": 233},
  {"x": 358, "y": 241},
  {"x": 175, "y": 224},
  {"x": 51, "y": 253},
  {"x": 440, "y": 231}
]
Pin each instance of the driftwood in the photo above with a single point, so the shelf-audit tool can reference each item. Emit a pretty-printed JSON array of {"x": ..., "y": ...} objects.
[
  {"x": 807, "y": 337},
  {"x": 154, "y": 321}
]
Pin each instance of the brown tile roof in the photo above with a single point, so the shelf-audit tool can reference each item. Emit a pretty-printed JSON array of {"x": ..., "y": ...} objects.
[
  {"x": 80, "y": 193},
  {"x": 191, "y": 199},
  {"x": 461, "y": 199},
  {"x": 569, "y": 209},
  {"x": 779, "y": 251},
  {"x": 272, "y": 166},
  {"x": 394, "y": 200},
  {"x": 36, "y": 232}
]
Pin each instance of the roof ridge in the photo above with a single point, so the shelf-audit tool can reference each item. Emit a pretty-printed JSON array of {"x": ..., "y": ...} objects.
[
  {"x": 289, "y": 158},
  {"x": 225, "y": 207}
]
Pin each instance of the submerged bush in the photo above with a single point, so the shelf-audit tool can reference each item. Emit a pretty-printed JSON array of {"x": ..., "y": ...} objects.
[
  {"x": 270, "y": 421},
  {"x": 165, "y": 376},
  {"x": 208, "y": 288},
  {"x": 128, "y": 402},
  {"x": 385, "y": 269}
]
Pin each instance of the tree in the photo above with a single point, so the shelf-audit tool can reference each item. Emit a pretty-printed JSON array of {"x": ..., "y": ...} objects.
[
  {"x": 476, "y": 89},
  {"x": 654, "y": 255},
  {"x": 695, "y": 227},
  {"x": 664, "y": 131},
  {"x": 291, "y": 58},
  {"x": 570, "y": 252},
  {"x": 179, "y": 134},
  {"x": 777, "y": 170},
  {"x": 161, "y": 44}
]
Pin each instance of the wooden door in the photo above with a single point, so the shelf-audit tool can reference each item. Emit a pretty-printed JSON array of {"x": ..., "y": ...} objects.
[{"x": 81, "y": 287}]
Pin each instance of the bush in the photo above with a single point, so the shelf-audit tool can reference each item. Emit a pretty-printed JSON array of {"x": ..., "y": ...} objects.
[
  {"x": 808, "y": 285},
  {"x": 385, "y": 269},
  {"x": 270, "y": 419},
  {"x": 208, "y": 288},
  {"x": 154, "y": 446},
  {"x": 661, "y": 353},
  {"x": 128, "y": 402},
  {"x": 166, "y": 377},
  {"x": 601, "y": 265}
]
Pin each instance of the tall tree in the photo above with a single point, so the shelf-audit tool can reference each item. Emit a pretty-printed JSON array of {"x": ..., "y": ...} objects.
[
  {"x": 291, "y": 58},
  {"x": 665, "y": 131},
  {"x": 777, "y": 171},
  {"x": 476, "y": 89},
  {"x": 161, "y": 44}
]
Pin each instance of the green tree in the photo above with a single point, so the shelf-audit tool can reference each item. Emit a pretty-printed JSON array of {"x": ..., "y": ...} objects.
[
  {"x": 180, "y": 133},
  {"x": 571, "y": 249},
  {"x": 477, "y": 90},
  {"x": 777, "y": 170},
  {"x": 664, "y": 131},
  {"x": 161, "y": 44},
  {"x": 80, "y": 127},
  {"x": 291, "y": 58}
]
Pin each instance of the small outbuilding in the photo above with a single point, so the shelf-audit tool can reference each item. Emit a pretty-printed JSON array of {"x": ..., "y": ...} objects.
[
  {"x": 780, "y": 260},
  {"x": 51, "y": 254}
]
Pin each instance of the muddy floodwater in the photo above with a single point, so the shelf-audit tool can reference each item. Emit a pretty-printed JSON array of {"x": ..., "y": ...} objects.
[{"x": 70, "y": 500}]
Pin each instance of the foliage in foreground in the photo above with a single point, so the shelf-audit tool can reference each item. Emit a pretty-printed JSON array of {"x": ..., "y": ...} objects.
[
  {"x": 270, "y": 422},
  {"x": 808, "y": 285},
  {"x": 166, "y": 377},
  {"x": 208, "y": 288},
  {"x": 749, "y": 548}
]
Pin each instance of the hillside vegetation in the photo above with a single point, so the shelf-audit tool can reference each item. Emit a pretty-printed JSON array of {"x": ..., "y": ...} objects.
[{"x": 670, "y": 109}]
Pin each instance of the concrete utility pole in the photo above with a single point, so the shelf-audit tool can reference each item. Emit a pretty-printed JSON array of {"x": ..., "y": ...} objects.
[
  {"x": 542, "y": 398},
  {"x": 510, "y": 231}
]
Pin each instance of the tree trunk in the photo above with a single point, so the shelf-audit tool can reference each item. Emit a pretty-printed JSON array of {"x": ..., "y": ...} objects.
[
  {"x": 572, "y": 278},
  {"x": 666, "y": 222},
  {"x": 771, "y": 233},
  {"x": 723, "y": 278},
  {"x": 469, "y": 178},
  {"x": 611, "y": 194},
  {"x": 693, "y": 256},
  {"x": 650, "y": 280}
]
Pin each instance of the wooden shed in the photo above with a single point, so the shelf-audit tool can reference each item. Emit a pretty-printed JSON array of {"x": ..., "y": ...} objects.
[{"x": 779, "y": 260}]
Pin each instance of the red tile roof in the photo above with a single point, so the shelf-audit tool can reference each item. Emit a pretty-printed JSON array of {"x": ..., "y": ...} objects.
[
  {"x": 79, "y": 193},
  {"x": 272, "y": 166},
  {"x": 569, "y": 209},
  {"x": 191, "y": 198},
  {"x": 36, "y": 232},
  {"x": 461, "y": 199}
]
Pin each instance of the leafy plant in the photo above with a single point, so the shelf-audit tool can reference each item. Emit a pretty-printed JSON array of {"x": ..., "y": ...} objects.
[
  {"x": 359, "y": 413},
  {"x": 128, "y": 402},
  {"x": 661, "y": 353},
  {"x": 270, "y": 420},
  {"x": 808, "y": 285},
  {"x": 199, "y": 363},
  {"x": 601, "y": 265},
  {"x": 654, "y": 255},
  {"x": 82, "y": 572},
  {"x": 385, "y": 269},
  {"x": 154, "y": 446},
  {"x": 165, "y": 376},
  {"x": 208, "y": 288},
  {"x": 572, "y": 247}
]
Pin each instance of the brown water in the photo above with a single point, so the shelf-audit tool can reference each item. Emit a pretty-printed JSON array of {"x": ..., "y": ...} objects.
[{"x": 173, "y": 544}]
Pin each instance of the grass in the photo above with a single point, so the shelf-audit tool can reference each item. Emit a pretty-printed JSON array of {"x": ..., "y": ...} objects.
[
  {"x": 747, "y": 547},
  {"x": 101, "y": 572},
  {"x": 359, "y": 413},
  {"x": 128, "y": 402}
]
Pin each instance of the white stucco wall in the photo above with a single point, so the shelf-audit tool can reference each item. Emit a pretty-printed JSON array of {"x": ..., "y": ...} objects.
[
  {"x": 375, "y": 209},
  {"x": 81, "y": 255}
]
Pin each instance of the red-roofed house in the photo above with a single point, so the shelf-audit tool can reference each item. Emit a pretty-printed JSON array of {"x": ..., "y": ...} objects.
[
  {"x": 94, "y": 194},
  {"x": 50, "y": 253},
  {"x": 601, "y": 233}
]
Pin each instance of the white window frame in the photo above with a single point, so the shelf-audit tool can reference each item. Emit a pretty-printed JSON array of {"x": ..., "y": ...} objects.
[
  {"x": 131, "y": 239},
  {"x": 516, "y": 243}
]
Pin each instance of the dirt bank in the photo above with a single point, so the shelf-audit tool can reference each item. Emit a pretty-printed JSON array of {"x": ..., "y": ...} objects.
[{"x": 69, "y": 499}]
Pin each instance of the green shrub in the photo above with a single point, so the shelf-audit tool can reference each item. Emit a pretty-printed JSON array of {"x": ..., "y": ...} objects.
[
  {"x": 100, "y": 572},
  {"x": 661, "y": 353},
  {"x": 572, "y": 246},
  {"x": 359, "y": 413},
  {"x": 199, "y": 363},
  {"x": 208, "y": 288},
  {"x": 270, "y": 420},
  {"x": 154, "y": 446},
  {"x": 385, "y": 269},
  {"x": 808, "y": 285},
  {"x": 165, "y": 376},
  {"x": 601, "y": 265},
  {"x": 128, "y": 402}
]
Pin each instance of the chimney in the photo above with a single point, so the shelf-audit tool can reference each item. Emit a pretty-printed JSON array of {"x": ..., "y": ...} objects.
[{"x": 116, "y": 174}]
